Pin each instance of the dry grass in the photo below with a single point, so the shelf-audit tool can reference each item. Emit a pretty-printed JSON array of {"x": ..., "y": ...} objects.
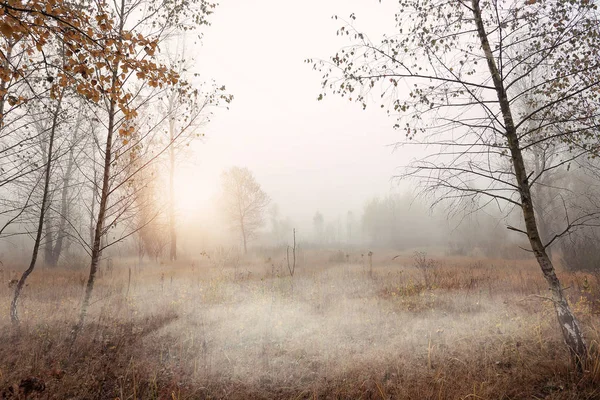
[{"x": 458, "y": 328}]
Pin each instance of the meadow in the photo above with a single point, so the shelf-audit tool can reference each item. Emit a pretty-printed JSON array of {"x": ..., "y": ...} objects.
[{"x": 346, "y": 325}]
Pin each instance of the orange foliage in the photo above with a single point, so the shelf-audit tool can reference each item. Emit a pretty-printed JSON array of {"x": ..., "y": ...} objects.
[{"x": 96, "y": 55}]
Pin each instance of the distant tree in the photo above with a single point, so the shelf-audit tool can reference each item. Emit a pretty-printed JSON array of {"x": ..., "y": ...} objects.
[
  {"x": 184, "y": 111},
  {"x": 244, "y": 202},
  {"x": 349, "y": 226},
  {"x": 280, "y": 227},
  {"x": 274, "y": 218},
  {"x": 58, "y": 233},
  {"x": 579, "y": 250},
  {"x": 149, "y": 223},
  {"x": 330, "y": 233},
  {"x": 319, "y": 226},
  {"x": 378, "y": 221},
  {"x": 385, "y": 220}
]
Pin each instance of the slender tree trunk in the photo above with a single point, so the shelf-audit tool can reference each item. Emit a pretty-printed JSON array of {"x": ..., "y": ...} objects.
[
  {"x": 244, "y": 239},
  {"x": 173, "y": 233},
  {"x": 48, "y": 236},
  {"x": 14, "y": 311},
  {"x": 99, "y": 229},
  {"x": 568, "y": 323},
  {"x": 48, "y": 239},
  {"x": 93, "y": 205},
  {"x": 539, "y": 201},
  {"x": 98, "y": 232},
  {"x": 64, "y": 213}
]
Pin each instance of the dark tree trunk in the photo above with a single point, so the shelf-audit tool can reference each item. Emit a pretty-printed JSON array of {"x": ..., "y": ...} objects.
[
  {"x": 569, "y": 325},
  {"x": 99, "y": 230}
]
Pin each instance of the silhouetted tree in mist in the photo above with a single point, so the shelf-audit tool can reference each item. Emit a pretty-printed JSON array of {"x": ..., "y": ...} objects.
[
  {"x": 189, "y": 113},
  {"x": 280, "y": 227},
  {"x": 350, "y": 226},
  {"x": 394, "y": 221},
  {"x": 243, "y": 202},
  {"x": 319, "y": 227}
]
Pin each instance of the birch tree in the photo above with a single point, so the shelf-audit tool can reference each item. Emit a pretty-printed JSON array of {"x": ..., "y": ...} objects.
[{"x": 449, "y": 75}]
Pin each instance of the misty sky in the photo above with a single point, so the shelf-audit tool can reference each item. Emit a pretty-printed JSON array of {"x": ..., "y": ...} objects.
[{"x": 308, "y": 155}]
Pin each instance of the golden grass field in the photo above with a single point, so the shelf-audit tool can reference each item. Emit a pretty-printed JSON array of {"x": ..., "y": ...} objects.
[{"x": 227, "y": 327}]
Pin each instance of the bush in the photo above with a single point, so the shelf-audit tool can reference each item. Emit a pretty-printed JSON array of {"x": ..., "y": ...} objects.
[{"x": 428, "y": 267}]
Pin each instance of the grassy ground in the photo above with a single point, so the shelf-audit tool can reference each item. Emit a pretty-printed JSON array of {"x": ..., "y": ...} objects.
[{"x": 222, "y": 327}]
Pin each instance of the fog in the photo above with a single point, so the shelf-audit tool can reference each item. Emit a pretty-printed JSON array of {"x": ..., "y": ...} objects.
[
  {"x": 320, "y": 199},
  {"x": 323, "y": 155},
  {"x": 310, "y": 157}
]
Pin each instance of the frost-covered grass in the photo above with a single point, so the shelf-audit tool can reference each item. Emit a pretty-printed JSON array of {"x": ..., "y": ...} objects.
[{"x": 453, "y": 328}]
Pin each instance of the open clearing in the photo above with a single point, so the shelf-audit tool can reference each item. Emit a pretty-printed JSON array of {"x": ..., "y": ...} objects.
[{"x": 217, "y": 328}]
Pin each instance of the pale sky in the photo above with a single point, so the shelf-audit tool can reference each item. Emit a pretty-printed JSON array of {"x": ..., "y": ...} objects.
[{"x": 308, "y": 155}]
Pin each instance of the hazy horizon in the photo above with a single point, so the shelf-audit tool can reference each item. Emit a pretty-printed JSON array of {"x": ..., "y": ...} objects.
[{"x": 309, "y": 155}]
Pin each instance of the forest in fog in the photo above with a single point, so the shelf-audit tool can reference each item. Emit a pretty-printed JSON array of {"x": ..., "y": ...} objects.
[{"x": 257, "y": 200}]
